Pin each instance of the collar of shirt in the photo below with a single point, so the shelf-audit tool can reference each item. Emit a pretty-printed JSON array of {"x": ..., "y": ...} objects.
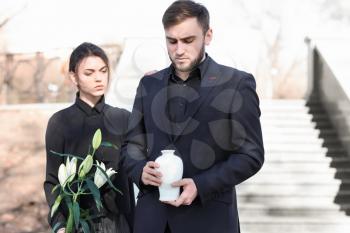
[
  {"x": 198, "y": 71},
  {"x": 87, "y": 108}
]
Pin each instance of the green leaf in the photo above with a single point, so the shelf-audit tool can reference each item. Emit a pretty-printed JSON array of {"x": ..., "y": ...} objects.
[
  {"x": 67, "y": 192},
  {"x": 56, "y": 227},
  {"x": 95, "y": 192},
  {"x": 69, "y": 226},
  {"x": 76, "y": 214},
  {"x": 108, "y": 144},
  {"x": 85, "y": 226},
  {"x": 66, "y": 155},
  {"x": 54, "y": 188},
  {"x": 56, "y": 205},
  {"x": 96, "y": 140},
  {"x": 84, "y": 213}
]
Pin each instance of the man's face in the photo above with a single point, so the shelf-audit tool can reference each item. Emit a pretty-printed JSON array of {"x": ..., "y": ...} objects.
[{"x": 186, "y": 44}]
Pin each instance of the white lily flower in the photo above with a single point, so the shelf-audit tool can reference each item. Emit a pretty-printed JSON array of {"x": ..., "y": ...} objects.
[
  {"x": 62, "y": 174},
  {"x": 100, "y": 179},
  {"x": 67, "y": 171},
  {"x": 71, "y": 167}
]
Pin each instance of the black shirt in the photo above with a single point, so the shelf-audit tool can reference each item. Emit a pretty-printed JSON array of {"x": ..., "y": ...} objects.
[
  {"x": 70, "y": 131},
  {"x": 182, "y": 92}
]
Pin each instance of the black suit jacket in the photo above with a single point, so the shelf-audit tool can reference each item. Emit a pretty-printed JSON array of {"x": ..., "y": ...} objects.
[{"x": 220, "y": 144}]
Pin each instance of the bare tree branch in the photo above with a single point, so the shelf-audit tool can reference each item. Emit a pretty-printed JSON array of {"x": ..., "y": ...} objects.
[{"x": 9, "y": 18}]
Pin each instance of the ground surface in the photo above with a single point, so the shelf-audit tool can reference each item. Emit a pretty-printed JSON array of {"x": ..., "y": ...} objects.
[{"x": 22, "y": 170}]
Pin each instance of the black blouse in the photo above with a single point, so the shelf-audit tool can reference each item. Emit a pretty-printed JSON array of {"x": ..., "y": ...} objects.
[{"x": 70, "y": 131}]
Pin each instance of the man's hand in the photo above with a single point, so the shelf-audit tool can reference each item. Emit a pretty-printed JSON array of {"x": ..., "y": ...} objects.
[
  {"x": 188, "y": 194},
  {"x": 150, "y": 176}
]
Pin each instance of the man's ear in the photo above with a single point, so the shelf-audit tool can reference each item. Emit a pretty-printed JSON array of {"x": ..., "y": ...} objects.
[
  {"x": 208, "y": 36},
  {"x": 73, "y": 77}
]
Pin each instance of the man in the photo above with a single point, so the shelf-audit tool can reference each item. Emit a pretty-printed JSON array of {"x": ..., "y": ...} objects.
[{"x": 209, "y": 114}]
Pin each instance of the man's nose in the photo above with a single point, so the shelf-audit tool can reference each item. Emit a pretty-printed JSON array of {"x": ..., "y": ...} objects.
[{"x": 180, "y": 49}]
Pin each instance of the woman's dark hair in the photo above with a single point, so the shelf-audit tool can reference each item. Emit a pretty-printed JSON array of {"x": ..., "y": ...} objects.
[
  {"x": 184, "y": 9},
  {"x": 86, "y": 50}
]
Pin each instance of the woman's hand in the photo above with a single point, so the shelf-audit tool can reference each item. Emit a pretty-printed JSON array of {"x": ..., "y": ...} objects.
[{"x": 61, "y": 230}]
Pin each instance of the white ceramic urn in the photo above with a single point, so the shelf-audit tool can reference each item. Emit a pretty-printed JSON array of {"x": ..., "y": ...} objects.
[{"x": 171, "y": 167}]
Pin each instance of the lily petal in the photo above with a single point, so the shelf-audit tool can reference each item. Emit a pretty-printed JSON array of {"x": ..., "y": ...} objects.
[
  {"x": 62, "y": 174},
  {"x": 110, "y": 172}
]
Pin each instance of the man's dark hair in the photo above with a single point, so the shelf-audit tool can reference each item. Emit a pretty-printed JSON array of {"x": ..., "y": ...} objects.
[{"x": 182, "y": 10}]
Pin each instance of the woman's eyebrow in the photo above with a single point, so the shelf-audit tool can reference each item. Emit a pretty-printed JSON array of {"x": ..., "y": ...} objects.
[{"x": 103, "y": 67}]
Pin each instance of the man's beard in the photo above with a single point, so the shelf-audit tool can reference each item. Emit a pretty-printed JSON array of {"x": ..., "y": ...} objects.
[{"x": 193, "y": 64}]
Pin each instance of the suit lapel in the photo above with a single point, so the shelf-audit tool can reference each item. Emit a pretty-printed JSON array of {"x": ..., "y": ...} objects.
[{"x": 208, "y": 83}]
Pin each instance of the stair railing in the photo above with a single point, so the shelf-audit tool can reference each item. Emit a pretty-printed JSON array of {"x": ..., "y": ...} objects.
[{"x": 329, "y": 81}]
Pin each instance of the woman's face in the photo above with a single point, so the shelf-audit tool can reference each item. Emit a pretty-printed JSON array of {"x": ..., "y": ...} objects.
[{"x": 91, "y": 77}]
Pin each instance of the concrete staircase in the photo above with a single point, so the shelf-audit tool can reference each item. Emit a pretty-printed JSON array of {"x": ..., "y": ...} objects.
[{"x": 304, "y": 185}]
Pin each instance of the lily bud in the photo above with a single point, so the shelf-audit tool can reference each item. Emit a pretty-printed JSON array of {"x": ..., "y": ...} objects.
[
  {"x": 85, "y": 166},
  {"x": 96, "y": 140}
]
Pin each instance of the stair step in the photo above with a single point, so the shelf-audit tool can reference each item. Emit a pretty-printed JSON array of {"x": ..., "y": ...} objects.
[
  {"x": 300, "y": 139},
  {"x": 295, "y": 204},
  {"x": 290, "y": 148},
  {"x": 301, "y": 167},
  {"x": 294, "y": 200},
  {"x": 293, "y": 129},
  {"x": 297, "y": 177},
  {"x": 314, "y": 100},
  {"x": 318, "y": 157},
  {"x": 292, "y": 189},
  {"x": 336, "y": 162},
  {"x": 297, "y": 158},
  {"x": 306, "y": 132},
  {"x": 341, "y": 208},
  {"x": 283, "y": 102},
  {"x": 332, "y": 172},
  {"x": 277, "y": 107},
  {"x": 301, "y": 180},
  {"x": 295, "y": 116},
  {"x": 338, "y": 219},
  {"x": 304, "y": 185},
  {"x": 340, "y": 163},
  {"x": 295, "y": 123},
  {"x": 297, "y": 226},
  {"x": 292, "y": 109},
  {"x": 325, "y": 213}
]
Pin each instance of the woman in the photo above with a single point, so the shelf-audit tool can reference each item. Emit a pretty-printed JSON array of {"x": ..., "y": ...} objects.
[{"x": 70, "y": 131}]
